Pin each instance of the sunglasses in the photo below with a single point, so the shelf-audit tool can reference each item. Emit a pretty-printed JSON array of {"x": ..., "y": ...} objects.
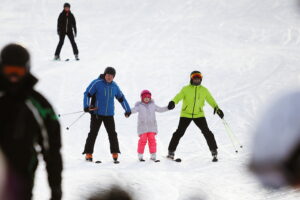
[
  {"x": 14, "y": 70},
  {"x": 196, "y": 75}
]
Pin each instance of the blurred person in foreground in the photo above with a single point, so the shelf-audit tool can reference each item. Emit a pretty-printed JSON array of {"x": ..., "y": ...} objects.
[
  {"x": 276, "y": 147},
  {"x": 113, "y": 193},
  {"x": 28, "y": 125}
]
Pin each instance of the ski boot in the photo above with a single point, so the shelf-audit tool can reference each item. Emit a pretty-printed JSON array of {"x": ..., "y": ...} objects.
[
  {"x": 76, "y": 57},
  {"x": 214, "y": 154},
  {"x": 153, "y": 157},
  {"x": 56, "y": 57},
  {"x": 89, "y": 157},
  {"x": 140, "y": 157},
  {"x": 171, "y": 155},
  {"x": 115, "y": 158}
]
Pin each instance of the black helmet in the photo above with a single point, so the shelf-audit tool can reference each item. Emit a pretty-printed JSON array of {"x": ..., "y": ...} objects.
[
  {"x": 67, "y": 5},
  {"x": 195, "y": 74},
  {"x": 15, "y": 54},
  {"x": 110, "y": 70}
]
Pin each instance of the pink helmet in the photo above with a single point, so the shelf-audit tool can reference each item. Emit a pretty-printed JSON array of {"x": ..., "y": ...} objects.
[{"x": 145, "y": 93}]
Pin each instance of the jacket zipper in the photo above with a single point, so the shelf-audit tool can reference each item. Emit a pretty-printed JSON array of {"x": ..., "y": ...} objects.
[
  {"x": 67, "y": 24},
  {"x": 107, "y": 102},
  {"x": 194, "y": 101}
]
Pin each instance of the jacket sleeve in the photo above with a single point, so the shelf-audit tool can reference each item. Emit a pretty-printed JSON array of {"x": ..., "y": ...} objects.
[
  {"x": 179, "y": 96},
  {"x": 211, "y": 101},
  {"x": 59, "y": 23},
  {"x": 135, "y": 109},
  {"x": 89, "y": 92},
  {"x": 50, "y": 140},
  {"x": 121, "y": 98},
  {"x": 74, "y": 24},
  {"x": 161, "y": 109}
]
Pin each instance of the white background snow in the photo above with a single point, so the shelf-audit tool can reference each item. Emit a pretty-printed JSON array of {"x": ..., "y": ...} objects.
[{"x": 247, "y": 50}]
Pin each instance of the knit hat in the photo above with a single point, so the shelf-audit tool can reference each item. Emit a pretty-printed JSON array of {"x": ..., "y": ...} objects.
[
  {"x": 110, "y": 70},
  {"x": 67, "y": 5},
  {"x": 15, "y": 55},
  {"x": 145, "y": 93}
]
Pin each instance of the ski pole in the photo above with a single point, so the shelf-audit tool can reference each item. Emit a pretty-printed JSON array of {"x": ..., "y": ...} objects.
[
  {"x": 71, "y": 113},
  {"x": 230, "y": 136},
  {"x": 230, "y": 132},
  {"x": 68, "y": 127}
]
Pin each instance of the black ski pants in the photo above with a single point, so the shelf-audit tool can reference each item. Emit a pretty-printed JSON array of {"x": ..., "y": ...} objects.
[
  {"x": 61, "y": 42},
  {"x": 109, "y": 123},
  {"x": 184, "y": 123}
]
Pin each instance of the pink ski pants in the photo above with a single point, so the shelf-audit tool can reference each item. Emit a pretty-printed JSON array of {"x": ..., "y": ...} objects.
[{"x": 143, "y": 141}]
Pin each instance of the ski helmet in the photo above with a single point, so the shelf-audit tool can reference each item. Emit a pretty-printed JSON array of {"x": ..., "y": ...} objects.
[
  {"x": 145, "y": 94},
  {"x": 15, "y": 55},
  {"x": 195, "y": 74},
  {"x": 67, "y": 5},
  {"x": 110, "y": 70}
]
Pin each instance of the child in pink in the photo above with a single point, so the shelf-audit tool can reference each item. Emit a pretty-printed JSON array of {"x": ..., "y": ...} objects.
[{"x": 147, "y": 125}]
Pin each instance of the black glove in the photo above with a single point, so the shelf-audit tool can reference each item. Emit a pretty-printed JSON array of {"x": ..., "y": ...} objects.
[
  {"x": 75, "y": 34},
  {"x": 219, "y": 112},
  {"x": 56, "y": 193},
  {"x": 86, "y": 109},
  {"x": 171, "y": 105},
  {"x": 58, "y": 33},
  {"x": 127, "y": 114}
]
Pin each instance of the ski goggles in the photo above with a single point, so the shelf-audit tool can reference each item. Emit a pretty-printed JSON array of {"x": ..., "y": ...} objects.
[
  {"x": 146, "y": 95},
  {"x": 9, "y": 70},
  {"x": 196, "y": 75}
]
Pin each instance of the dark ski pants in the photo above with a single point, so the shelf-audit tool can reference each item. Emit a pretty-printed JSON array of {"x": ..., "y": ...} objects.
[
  {"x": 109, "y": 123},
  {"x": 183, "y": 124},
  {"x": 61, "y": 42}
]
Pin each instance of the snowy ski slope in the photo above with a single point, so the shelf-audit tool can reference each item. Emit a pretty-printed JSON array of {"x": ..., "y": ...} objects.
[{"x": 247, "y": 50}]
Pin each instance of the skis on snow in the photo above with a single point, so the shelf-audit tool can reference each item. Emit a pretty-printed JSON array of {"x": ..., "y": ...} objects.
[{"x": 174, "y": 159}]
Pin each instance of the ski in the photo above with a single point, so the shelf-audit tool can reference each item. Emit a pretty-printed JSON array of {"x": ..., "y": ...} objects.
[
  {"x": 141, "y": 160},
  {"x": 155, "y": 160},
  {"x": 173, "y": 159},
  {"x": 68, "y": 59},
  {"x": 116, "y": 162},
  {"x": 215, "y": 159},
  {"x": 98, "y": 162}
]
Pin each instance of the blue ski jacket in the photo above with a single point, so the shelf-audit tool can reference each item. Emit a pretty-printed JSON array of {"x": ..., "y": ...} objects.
[{"x": 104, "y": 93}]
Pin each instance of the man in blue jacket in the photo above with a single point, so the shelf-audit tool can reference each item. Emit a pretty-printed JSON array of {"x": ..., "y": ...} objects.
[{"x": 99, "y": 101}]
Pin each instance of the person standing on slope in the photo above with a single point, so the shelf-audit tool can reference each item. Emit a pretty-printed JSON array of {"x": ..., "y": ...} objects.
[
  {"x": 147, "y": 125},
  {"x": 66, "y": 23},
  {"x": 28, "y": 125},
  {"x": 103, "y": 90},
  {"x": 194, "y": 96}
]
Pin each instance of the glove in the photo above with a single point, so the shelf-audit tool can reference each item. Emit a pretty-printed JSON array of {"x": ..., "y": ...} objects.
[
  {"x": 75, "y": 34},
  {"x": 219, "y": 112},
  {"x": 86, "y": 109},
  {"x": 58, "y": 33},
  {"x": 127, "y": 114},
  {"x": 171, "y": 105},
  {"x": 56, "y": 193}
]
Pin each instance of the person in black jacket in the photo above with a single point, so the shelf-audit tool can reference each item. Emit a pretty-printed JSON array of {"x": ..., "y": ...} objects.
[
  {"x": 27, "y": 121},
  {"x": 66, "y": 23}
]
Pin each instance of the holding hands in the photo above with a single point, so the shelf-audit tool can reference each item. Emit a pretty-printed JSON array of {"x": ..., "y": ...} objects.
[
  {"x": 171, "y": 105},
  {"x": 127, "y": 114}
]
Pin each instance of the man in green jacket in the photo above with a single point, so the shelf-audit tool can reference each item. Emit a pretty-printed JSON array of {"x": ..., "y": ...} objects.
[{"x": 194, "y": 96}]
